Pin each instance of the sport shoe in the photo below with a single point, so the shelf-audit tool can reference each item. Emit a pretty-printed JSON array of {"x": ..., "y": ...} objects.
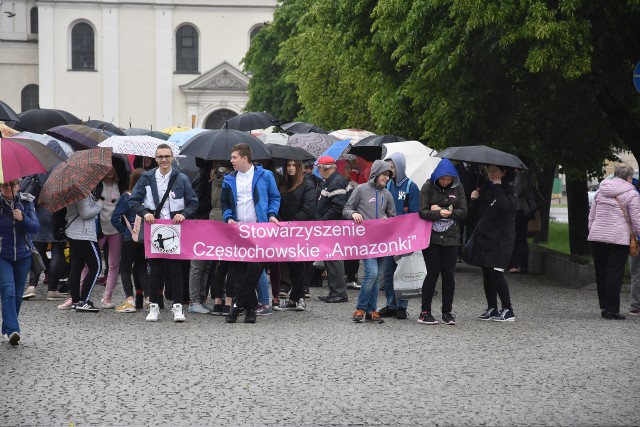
[
  {"x": 427, "y": 318},
  {"x": 106, "y": 303},
  {"x": 506, "y": 315},
  {"x": 288, "y": 305},
  {"x": 250, "y": 316},
  {"x": 126, "y": 307},
  {"x": 178, "y": 315},
  {"x": 29, "y": 293},
  {"x": 217, "y": 310},
  {"x": 226, "y": 309},
  {"x": 448, "y": 319},
  {"x": 197, "y": 308},
  {"x": 374, "y": 317},
  {"x": 489, "y": 314},
  {"x": 263, "y": 310},
  {"x": 634, "y": 312},
  {"x": 207, "y": 307},
  {"x": 358, "y": 316},
  {"x": 353, "y": 285},
  {"x": 154, "y": 311},
  {"x": 86, "y": 306},
  {"x": 388, "y": 312},
  {"x": 301, "y": 305},
  {"x": 401, "y": 314},
  {"x": 55, "y": 295},
  {"x": 14, "y": 339},
  {"x": 276, "y": 304},
  {"x": 232, "y": 317},
  {"x": 67, "y": 305}
]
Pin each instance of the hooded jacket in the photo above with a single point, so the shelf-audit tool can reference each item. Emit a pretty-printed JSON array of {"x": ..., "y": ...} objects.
[
  {"x": 405, "y": 192},
  {"x": 266, "y": 197},
  {"x": 369, "y": 199},
  {"x": 607, "y": 222},
  {"x": 15, "y": 242},
  {"x": 444, "y": 231}
]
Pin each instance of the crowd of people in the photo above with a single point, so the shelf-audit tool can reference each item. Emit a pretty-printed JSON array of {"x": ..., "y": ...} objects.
[{"x": 471, "y": 208}]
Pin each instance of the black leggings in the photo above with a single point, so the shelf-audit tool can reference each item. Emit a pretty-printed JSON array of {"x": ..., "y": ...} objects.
[
  {"x": 223, "y": 280},
  {"x": 133, "y": 261},
  {"x": 83, "y": 252},
  {"x": 495, "y": 285},
  {"x": 440, "y": 261}
]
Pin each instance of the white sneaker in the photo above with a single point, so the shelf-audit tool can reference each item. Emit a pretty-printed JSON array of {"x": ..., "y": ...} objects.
[
  {"x": 29, "y": 293},
  {"x": 154, "y": 311},
  {"x": 178, "y": 315},
  {"x": 353, "y": 285}
]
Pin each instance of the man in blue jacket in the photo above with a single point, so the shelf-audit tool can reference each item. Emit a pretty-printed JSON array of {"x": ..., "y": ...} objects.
[
  {"x": 407, "y": 199},
  {"x": 249, "y": 194},
  {"x": 181, "y": 203}
]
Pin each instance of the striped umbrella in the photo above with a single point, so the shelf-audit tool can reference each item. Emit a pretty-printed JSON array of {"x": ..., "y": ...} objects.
[
  {"x": 354, "y": 135},
  {"x": 80, "y": 137},
  {"x": 75, "y": 178},
  {"x": 21, "y": 157}
]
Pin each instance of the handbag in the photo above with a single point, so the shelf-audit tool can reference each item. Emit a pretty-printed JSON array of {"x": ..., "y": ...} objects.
[
  {"x": 469, "y": 247},
  {"x": 37, "y": 263},
  {"x": 409, "y": 276},
  {"x": 634, "y": 245}
]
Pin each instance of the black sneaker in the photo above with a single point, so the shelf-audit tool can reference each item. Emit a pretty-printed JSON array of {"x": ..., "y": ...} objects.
[
  {"x": 250, "y": 316},
  {"x": 426, "y": 318},
  {"x": 388, "y": 312},
  {"x": 401, "y": 314},
  {"x": 614, "y": 316},
  {"x": 86, "y": 306},
  {"x": 232, "y": 317},
  {"x": 489, "y": 314},
  {"x": 14, "y": 339},
  {"x": 226, "y": 309},
  {"x": 505, "y": 315},
  {"x": 289, "y": 305},
  {"x": 218, "y": 310},
  {"x": 448, "y": 319}
]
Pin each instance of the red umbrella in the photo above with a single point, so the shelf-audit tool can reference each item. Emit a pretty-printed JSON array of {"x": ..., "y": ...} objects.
[
  {"x": 75, "y": 178},
  {"x": 21, "y": 157}
]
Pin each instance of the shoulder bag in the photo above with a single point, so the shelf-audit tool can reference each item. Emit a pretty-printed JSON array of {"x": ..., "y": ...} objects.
[
  {"x": 634, "y": 245},
  {"x": 137, "y": 231}
]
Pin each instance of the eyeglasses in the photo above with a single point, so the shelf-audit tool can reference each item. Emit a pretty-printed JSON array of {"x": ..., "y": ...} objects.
[
  {"x": 10, "y": 184},
  {"x": 163, "y": 157}
]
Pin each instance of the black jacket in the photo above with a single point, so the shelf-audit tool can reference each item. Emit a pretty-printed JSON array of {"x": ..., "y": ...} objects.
[
  {"x": 299, "y": 204},
  {"x": 495, "y": 232},
  {"x": 332, "y": 197}
]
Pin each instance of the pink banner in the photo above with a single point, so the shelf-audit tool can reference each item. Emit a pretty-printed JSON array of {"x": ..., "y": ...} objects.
[{"x": 288, "y": 241}]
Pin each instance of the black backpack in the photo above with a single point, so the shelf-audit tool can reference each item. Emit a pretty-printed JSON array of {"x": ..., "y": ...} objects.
[{"x": 59, "y": 224}]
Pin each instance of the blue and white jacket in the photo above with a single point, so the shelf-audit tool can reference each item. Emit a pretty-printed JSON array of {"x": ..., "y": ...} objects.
[
  {"x": 182, "y": 199},
  {"x": 266, "y": 197}
]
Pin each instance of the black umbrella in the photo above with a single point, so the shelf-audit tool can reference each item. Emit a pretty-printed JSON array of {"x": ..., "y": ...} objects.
[
  {"x": 216, "y": 145},
  {"x": 302, "y": 127},
  {"x": 39, "y": 120},
  {"x": 287, "y": 152},
  {"x": 102, "y": 125},
  {"x": 371, "y": 147},
  {"x": 7, "y": 114},
  {"x": 482, "y": 154},
  {"x": 80, "y": 137},
  {"x": 251, "y": 120},
  {"x": 141, "y": 131}
]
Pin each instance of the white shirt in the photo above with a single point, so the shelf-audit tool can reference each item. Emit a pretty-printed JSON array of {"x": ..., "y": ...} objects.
[
  {"x": 162, "y": 182},
  {"x": 244, "y": 205}
]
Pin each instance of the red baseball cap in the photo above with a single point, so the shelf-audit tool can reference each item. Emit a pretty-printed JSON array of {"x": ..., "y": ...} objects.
[{"x": 326, "y": 160}]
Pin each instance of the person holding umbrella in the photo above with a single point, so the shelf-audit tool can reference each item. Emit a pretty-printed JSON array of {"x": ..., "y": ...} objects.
[
  {"x": 493, "y": 239},
  {"x": 17, "y": 220}
]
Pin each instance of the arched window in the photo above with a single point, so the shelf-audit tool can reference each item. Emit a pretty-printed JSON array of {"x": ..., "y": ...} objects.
[
  {"x": 33, "y": 15},
  {"x": 217, "y": 118},
  {"x": 82, "y": 47},
  {"x": 30, "y": 97},
  {"x": 187, "y": 49},
  {"x": 254, "y": 31}
]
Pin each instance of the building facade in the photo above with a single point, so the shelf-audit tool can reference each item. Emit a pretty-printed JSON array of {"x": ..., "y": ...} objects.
[{"x": 141, "y": 63}]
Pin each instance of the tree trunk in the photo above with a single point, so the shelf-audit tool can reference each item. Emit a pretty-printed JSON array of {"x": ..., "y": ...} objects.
[
  {"x": 544, "y": 180},
  {"x": 578, "y": 203}
]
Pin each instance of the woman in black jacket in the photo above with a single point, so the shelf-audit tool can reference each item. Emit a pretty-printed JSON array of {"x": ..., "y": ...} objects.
[
  {"x": 494, "y": 236},
  {"x": 297, "y": 203}
]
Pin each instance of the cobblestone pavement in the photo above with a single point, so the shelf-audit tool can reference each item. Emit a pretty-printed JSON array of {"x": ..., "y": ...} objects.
[{"x": 558, "y": 364}]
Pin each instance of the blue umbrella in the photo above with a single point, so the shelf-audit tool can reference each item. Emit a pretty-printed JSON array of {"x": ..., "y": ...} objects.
[
  {"x": 334, "y": 151},
  {"x": 179, "y": 138}
]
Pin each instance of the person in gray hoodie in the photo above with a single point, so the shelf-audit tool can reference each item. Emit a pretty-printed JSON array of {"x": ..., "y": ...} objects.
[{"x": 370, "y": 200}]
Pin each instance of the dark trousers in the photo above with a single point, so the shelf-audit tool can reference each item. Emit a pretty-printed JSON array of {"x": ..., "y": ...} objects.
[
  {"x": 297, "y": 276},
  {"x": 173, "y": 279},
  {"x": 56, "y": 267},
  {"x": 246, "y": 276},
  {"x": 132, "y": 261},
  {"x": 351, "y": 267},
  {"x": 83, "y": 252},
  {"x": 495, "y": 285},
  {"x": 440, "y": 261},
  {"x": 520, "y": 257},
  {"x": 222, "y": 276},
  {"x": 609, "y": 261}
]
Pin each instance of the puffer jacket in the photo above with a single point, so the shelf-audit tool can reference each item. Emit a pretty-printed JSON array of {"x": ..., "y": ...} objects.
[
  {"x": 445, "y": 231},
  {"x": 15, "y": 242},
  {"x": 371, "y": 200},
  {"x": 607, "y": 222},
  {"x": 299, "y": 204},
  {"x": 81, "y": 219}
]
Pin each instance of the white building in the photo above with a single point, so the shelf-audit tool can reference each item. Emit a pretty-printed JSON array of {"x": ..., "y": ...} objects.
[{"x": 152, "y": 63}]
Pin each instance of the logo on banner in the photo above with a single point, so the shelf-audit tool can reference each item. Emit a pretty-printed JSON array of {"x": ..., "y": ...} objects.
[{"x": 165, "y": 239}]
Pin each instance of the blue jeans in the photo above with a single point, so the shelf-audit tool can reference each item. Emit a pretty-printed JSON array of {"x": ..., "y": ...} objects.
[
  {"x": 387, "y": 268},
  {"x": 368, "y": 296},
  {"x": 263, "y": 289},
  {"x": 13, "y": 275}
]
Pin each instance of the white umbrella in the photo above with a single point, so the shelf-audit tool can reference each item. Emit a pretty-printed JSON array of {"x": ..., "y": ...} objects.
[
  {"x": 274, "y": 138},
  {"x": 420, "y": 161},
  {"x": 137, "y": 145},
  {"x": 354, "y": 135}
]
